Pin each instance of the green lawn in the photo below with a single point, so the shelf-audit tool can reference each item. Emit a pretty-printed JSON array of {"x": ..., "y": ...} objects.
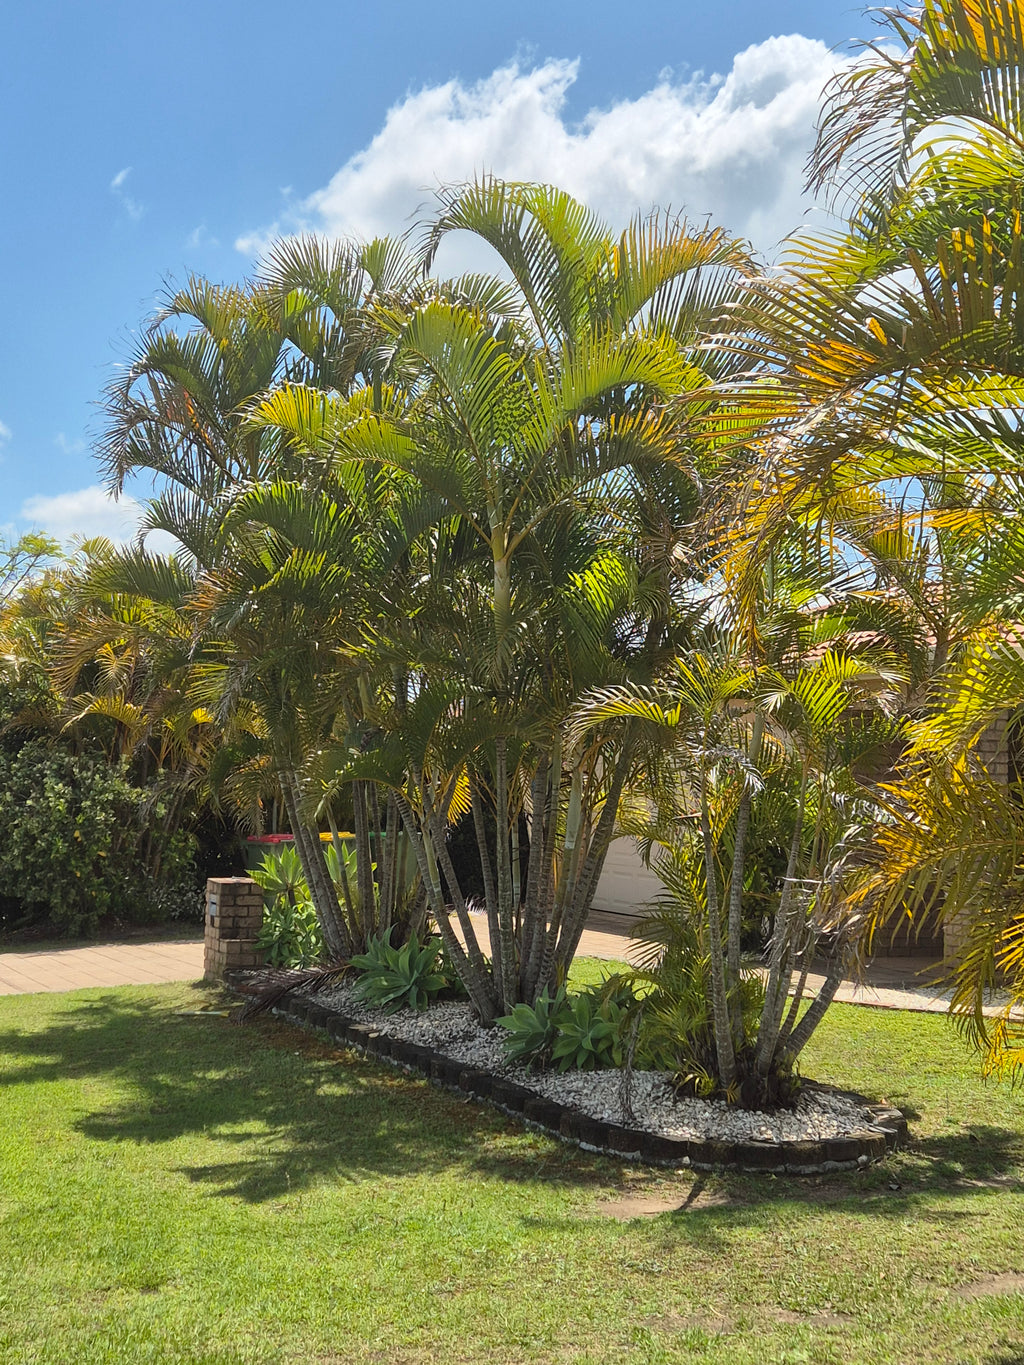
[{"x": 178, "y": 1189}]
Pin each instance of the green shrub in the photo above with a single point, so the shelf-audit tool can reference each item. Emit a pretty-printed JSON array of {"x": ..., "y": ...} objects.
[
  {"x": 176, "y": 894},
  {"x": 532, "y": 1029},
  {"x": 677, "y": 1029},
  {"x": 280, "y": 875},
  {"x": 290, "y": 935},
  {"x": 395, "y": 977},
  {"x": 71, "y": 827},
  {"x": 280, "y": 872},
  {"x": 585, "y": 1031},
  {"x": 589, "y": 1033}
]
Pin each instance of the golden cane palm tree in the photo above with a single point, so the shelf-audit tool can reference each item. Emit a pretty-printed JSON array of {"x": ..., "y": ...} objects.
[
  {"x": 526, "y": 427},
  {"x": 885, "y": 419},
  {"x": 181, "y": 412},
  {"x": 479, "y": 398},
  {"x": 532, "y": 432},
  {"x": 736, "y": 737}
]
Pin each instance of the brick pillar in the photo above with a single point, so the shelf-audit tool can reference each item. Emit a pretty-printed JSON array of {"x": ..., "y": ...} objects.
[
  {"x": 234, "y": 915},
  {"x": 955, "y": 929}
]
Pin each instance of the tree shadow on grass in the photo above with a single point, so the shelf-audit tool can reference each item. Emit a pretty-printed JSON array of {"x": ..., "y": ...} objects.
[
  {"x": 928, "y": 1180},
  {"x": 301, "y": 1110},
  {"x": 298, "y": 1108}
]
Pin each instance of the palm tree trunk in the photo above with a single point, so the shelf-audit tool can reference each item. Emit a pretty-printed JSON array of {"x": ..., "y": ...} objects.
[
  {"x": 440, "y": 844},
  {"x": 572, "y": 853},
  {"x": 794, "y": 1005},
  {"x": 376, "y": 850},
  {"x": 487, "y": 869},
  {"x": 364, "y": 860},
  {"x": 506, "y": 930},
  {"x": 474, "y": 980},
  {"x": 543, "y": 958},
  {"x": 724, "y": 1049},
  {"x": 793, "y": 1043},
  {"x": 533, "y": 917},
  {"x": 590, "y": 866},
  {"x": 389, "y": 881},
  {"x": 736, "y": 880},
  {"x": 779, "y": 965},
  {"x": 325, "y": 902},
  {"x": 517, "y": 872}
]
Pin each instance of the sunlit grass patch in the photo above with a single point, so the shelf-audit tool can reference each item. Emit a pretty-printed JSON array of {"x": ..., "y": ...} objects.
[{"x": 176, "y": 1188}]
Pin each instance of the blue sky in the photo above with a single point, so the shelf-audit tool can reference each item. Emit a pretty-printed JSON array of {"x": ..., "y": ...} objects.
[{"x": 145, "y": 142}]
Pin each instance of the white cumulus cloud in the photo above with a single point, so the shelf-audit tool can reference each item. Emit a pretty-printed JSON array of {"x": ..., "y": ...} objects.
[
  {"x": 732, "y": 147},
  {"x": 85, "y": 513},
  {"x": 5, "y": 433},
  {"x": 89, "y": 512}
]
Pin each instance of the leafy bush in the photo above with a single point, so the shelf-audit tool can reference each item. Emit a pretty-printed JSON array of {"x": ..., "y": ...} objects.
[
  {"x": 280, "y": 875},
  {"x": 343, "y": 871},
  {"x": 583, "y": 1031},
  {"x": 175, "y": 896},
  {"x": 589, "y": 1033},
  {"x": 71, "y": 826},
  {"x": 280, "y": 872},
  {"x": 532, "y": 1029},
  {"x": 396, "y": 977},
  {"x": 677, "y": 1031},
  {"x": 290, "y": 935}
]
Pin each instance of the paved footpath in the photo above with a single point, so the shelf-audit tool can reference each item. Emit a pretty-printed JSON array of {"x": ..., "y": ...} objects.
[
  {"x": 889, "y": 983},
  {"x": 106, "y": 964}
]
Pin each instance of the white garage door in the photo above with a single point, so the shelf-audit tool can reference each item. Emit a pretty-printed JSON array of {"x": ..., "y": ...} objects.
[{"x": 626, "y": 885}]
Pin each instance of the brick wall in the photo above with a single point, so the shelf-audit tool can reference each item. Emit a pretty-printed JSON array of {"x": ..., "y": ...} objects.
[
  {"x": 993, "y": 750},
  {"x": 234, "y": 915}
]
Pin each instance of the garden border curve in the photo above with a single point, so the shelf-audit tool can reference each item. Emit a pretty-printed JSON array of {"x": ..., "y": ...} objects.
[{"x": 887, "y": 1132}]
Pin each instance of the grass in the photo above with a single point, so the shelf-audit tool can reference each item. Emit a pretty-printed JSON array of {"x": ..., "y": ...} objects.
[{"x": 174, "y": 1188}]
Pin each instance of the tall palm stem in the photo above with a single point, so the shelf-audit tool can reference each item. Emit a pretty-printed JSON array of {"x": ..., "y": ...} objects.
[
  {"x": 534, "y": 919},
  {"x": 724, "y": 1049},
  {"x": 472, "y": 975},
  {"x": 592, "y": 863},
  {"x": 307, "y": 844},
  {"x": 736, "y": 880},
  {"x": 506, "y": 927},
  {"x": 487, "y": 870},
  {"x": 779, "y": 969}
]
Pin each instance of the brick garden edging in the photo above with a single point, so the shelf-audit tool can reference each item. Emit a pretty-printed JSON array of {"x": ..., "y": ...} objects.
[{"x": 888, "y": 1131}]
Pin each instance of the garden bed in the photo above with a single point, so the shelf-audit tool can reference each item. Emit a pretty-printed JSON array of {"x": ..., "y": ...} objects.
[{"x": 641, "y": 1120}]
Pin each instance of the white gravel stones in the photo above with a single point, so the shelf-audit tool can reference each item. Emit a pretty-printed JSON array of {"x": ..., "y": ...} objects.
[{"x": 451, "y": 1029}]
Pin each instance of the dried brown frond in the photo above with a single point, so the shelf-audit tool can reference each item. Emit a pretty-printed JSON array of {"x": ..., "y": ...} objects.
[{"x": 264, "y": 992}]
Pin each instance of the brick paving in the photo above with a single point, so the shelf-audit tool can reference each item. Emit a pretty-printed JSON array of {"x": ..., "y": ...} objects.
[
  {"x": 889, "y": 983},
  {"x": 894, "y": 983},
  {"x": 105, "y": 964}
]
